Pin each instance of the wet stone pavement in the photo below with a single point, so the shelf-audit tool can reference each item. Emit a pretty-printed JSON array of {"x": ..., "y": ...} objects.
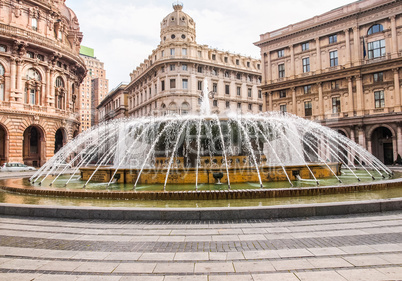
[{"x": 354, "y": 247}]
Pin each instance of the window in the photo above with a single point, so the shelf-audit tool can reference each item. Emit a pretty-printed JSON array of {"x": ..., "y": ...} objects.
[
  {"x": 30, "y": 55},
  {"x": 282, "y": 108},
  {"x": 185, "y": 108},
  {"x": 281, "y": 53},
  {"x": 59, "y": 82},
  {"x": 162, "y": 85},
  {"x": 184, "y": 52},
  {"x": 307, "y": 89},
  {"x": 336, "y": 105},
  {"x": 226, "y": 59},
  {"x": 238, "y": 105},
  {"x": 199, "y": 85},
  {"x": 306, "y": 65},
  {"x": 332, "y": 39},
  {"x": 32, "y": 96},
  {"x": 249, "y": 92},
  {"x": 227, "y": 104},
  {"x": 308, "y": 108},
  {"x": 33, "y": 74},
  {"x": 250, "y": 106},
  {"x": 379, "y": 99},
  {"x": 162, "y": 69},
  {"x": 184, "y": 67},
  {"x": 199, "y": 69},
  {"x": 214, "y": 72},
  {"x": 215, "y": 103},
  {"x": 3, "y": 48},
  {"x": 199, "y": 54},
  {"x": 227, "y": 89},
  {"x": 260, "y": 107},
  {"x": 378, "y": 77},
  {"x": 238, "y": 91},
  {"x": 376, "y": 49},
  {"x": 227, "y": 75},
  {"x": 305, "y": 46},
  {"x": 172, "y": 52},
  {"x": 248, "y": 64},
  {"x": 282, "y": 94},
  {"x": 34, "y": 24},
  {"x": 258, "y": 66},
  {"x": 238, "y": 76},
  {"x": 162, "y": 53},
  {"x": 213, "y": 57},
  {"x": 335, "y": 85},
  {"x": 172, "y": 67},
  {"x": 375, "y": 28},
  {"x": 237, "y": 62},
  {"x": 214, "y": 87},
  {"x": 281, "y": 70},
  {"x": 185, "y": 84},
  {"x": 259, "y": 94},
  {"x": 333, "y": 58}
]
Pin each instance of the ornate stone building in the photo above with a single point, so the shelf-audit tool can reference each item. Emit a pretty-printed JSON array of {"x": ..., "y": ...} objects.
[
  {"x": 114, "y": 105},
  {"x": 171, "y": 79},
  {"x": 40, "y": 76},
  {"x": 342, "y": 69}
]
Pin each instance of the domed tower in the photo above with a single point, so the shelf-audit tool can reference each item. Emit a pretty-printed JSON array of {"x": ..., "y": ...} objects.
[{"x": 177, "y": 26}]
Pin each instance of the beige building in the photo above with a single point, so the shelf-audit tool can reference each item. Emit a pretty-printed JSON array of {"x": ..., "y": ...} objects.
[
  {"x": 93, "y": 89},
  {"x": 342, "y": 69},
  {"x": 40, "y": 74},
  {"x": 114, "y": 105},
  {"x": 171, "y": 79}
]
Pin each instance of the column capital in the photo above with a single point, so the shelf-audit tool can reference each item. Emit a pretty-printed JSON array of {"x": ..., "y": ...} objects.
[
  {"x": 395, "y": 70},
  {"x": 293, "y": 89},
  {"x": 319, "y": 84},
  {"x": 349, "y": 78},
  {"x": 358, "y": 77},
  {"x": 392, "y": 18},
  {"x": 346, "y": 30}
]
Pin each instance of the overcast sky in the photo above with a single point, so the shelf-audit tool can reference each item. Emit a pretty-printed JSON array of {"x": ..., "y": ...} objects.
[{"x": 124, "y": 32}]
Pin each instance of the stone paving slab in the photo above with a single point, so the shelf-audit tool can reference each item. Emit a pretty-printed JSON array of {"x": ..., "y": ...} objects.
[{"x": 359, "y": 248}]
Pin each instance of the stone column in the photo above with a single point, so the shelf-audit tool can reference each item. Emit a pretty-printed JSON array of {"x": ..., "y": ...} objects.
[
  {"x": 369, "y": 146},
  {"x": 395, "y": 147},
  {"x": 320, "y": 101},
  {"x": 398, "y": 148},
  {"x": 356, "y": 45},
  {"x": 351, "y": 105},
  {"x": 397, "y": 94},
  {"x": 263, "y": 70},
  {"x": 352, "y": 137},
  {"x": 264, "y": 103},
  {"x": 362, "y": 136},
  {"x": 19, "y": 91},
  {"x": 269, "y": 68},
  {"x": 294, "y": 104},
  {"x": 318, "y": 48},
  {"x": 271, "y": 107},
  {"x": 46, "y": 101},
  {"x": 394, "y": 38},
  {"x": 13, "y": 76},
  {"x": 347, "y": 39},
  {"x": 359, "y": 95},
  {"x": 292, "y": 62}
]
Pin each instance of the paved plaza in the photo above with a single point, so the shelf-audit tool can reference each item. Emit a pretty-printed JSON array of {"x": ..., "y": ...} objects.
[{"x": 354, "y": 247}]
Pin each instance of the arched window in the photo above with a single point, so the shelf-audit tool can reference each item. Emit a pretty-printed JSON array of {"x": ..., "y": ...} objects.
[
  {"x": 375, "y": 28},
  {"x": 33, "y": 85},
  {"x": 1, "y": 83},
  {"x": 185, "y": 108},
  {"x": 172, "y": 108},
  {"x": 59, "y": 93},
  {"x": 163, "y": 109}
]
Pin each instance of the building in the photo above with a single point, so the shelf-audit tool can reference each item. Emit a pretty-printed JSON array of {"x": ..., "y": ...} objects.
[
  {"x": 114, "y": 105},
  {"x": 171, "y": 79},
  {"x": 93, "y": 89},
  {"x": 342, "y": 69},
  {"x": 40, "y": 75}
]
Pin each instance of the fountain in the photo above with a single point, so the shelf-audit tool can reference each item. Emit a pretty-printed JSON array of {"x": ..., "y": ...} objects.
[{"x": 208, "y": 149}]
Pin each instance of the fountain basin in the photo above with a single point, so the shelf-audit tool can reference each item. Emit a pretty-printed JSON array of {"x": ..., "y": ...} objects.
[{"x": 180, "y": 175}]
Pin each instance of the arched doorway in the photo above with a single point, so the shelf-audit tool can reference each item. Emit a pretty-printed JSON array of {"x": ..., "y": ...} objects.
[
  {"x": 59, "y": 140},
  {"x": 3, "y": 145},
  {"x": 33, "y": 144},
  {"x": 381, "y": 145}
]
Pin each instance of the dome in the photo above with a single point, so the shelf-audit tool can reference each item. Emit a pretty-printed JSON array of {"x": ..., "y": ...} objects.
[{"x": 177, "y": 26}]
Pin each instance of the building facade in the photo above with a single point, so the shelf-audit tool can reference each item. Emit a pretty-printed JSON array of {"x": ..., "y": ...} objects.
[
  {"x": 93, "y": 89},
  {"x": 40, "y": 76},
  {"x": 171, "y": 80},
  {"x": 342, "y": 69},
  {"x": 114, "y": 105}
]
